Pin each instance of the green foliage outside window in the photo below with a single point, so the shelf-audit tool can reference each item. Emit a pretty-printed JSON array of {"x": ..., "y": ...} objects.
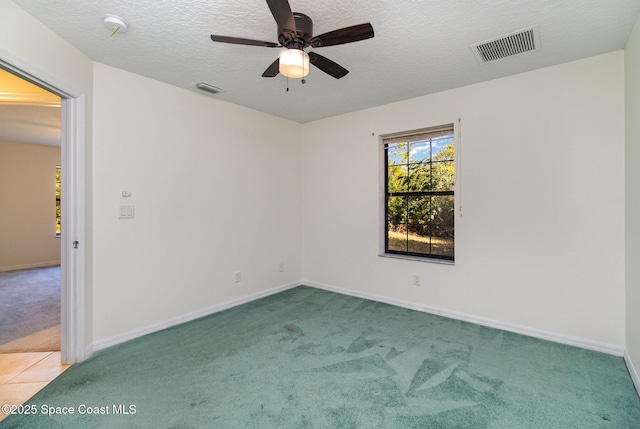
[
  {"x": 420, "y": 197},
  {"x": 58, "y": 230}
]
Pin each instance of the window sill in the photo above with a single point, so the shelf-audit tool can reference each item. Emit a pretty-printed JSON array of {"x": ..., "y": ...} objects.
[{"x": 417, "y": 258}]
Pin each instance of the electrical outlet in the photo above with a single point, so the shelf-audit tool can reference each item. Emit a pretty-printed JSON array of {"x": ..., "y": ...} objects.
[
  {"x": 416, "y": 280},
  {"x": 282, "y": 267},
  {"x": 238, "y": 276}
]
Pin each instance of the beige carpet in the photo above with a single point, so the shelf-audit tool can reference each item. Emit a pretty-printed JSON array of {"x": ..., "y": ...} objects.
[
  {"x": 47, "y": 340},
  {"x": 30, "y": 310}
]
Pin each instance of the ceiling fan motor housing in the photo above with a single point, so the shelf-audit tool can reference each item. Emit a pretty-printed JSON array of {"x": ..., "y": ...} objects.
[{"x": 304, "y": 27}]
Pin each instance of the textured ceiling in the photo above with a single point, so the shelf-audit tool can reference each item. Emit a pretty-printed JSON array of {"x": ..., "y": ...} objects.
[{"x": 420, "y": 46}]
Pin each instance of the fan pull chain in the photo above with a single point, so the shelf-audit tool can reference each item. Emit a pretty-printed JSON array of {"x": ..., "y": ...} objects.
[{"x": 287, "y": 84}]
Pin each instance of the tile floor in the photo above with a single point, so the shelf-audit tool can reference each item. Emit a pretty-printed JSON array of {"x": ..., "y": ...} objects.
[{"x": 22, "y": 375}]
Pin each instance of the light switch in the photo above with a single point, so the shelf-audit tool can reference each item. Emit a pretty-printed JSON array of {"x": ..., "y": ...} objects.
[{"x": 126, "y": 212}]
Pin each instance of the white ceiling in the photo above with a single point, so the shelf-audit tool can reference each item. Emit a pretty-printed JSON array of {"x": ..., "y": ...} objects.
[
  {"x": 30, "y": 124},
  {"x": 28, "y": 113},
  {"x": 420, "y": 47}
]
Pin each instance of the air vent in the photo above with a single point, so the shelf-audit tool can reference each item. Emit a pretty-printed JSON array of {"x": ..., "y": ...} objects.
[
  {"x": 508, "y": 45},
  {"x": 203, "y": 86}
]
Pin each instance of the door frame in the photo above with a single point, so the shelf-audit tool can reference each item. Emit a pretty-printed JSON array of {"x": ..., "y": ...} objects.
[{"x": 73, "y": 209}]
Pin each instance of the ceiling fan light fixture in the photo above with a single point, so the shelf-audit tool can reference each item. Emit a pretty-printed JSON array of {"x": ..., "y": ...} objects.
[{"x": 294, "y": 63}]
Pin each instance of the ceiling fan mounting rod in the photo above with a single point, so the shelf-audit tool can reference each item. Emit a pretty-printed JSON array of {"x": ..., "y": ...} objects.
[{"x": 302, "y": 32}]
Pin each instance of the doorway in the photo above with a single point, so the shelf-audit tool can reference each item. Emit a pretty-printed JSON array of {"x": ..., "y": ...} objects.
[
  {"x": 30, "y": 152},
  {"x": 72, "y": 208}
]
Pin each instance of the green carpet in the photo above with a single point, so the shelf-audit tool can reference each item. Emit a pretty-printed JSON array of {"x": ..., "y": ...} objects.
[{"x": 307, "y": 358}]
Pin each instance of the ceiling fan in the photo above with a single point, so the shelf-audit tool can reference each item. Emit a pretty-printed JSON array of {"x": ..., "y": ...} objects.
[{"x": 295, "y": 32}]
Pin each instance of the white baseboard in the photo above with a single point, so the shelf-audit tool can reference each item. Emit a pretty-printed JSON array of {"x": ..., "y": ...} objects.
[
  {"x": 88, "y": 351},
  {"x": 632, "y": 371},
  {"x": 121, "y": 338},
  {"x": 518, "y": 329},
  {"x": 28, "y": 266}
]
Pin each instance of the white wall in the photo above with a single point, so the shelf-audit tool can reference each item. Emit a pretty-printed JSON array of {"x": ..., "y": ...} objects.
[
  {"x": 541, "y": 239},
  {"x": 27, "y": 39},
  {"x": 632, "y": 110},
  {"x": 27, "y": 203},
  {"x": 216, "y": 189}
]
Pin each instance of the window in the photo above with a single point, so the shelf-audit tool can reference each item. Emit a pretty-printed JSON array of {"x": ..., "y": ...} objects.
[
  {"x": 58, "y": 230},
  {"x": 419, "y": 193}
]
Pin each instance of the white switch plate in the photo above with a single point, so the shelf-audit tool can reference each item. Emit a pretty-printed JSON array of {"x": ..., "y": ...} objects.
[{"x": 126, "y": 212}]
